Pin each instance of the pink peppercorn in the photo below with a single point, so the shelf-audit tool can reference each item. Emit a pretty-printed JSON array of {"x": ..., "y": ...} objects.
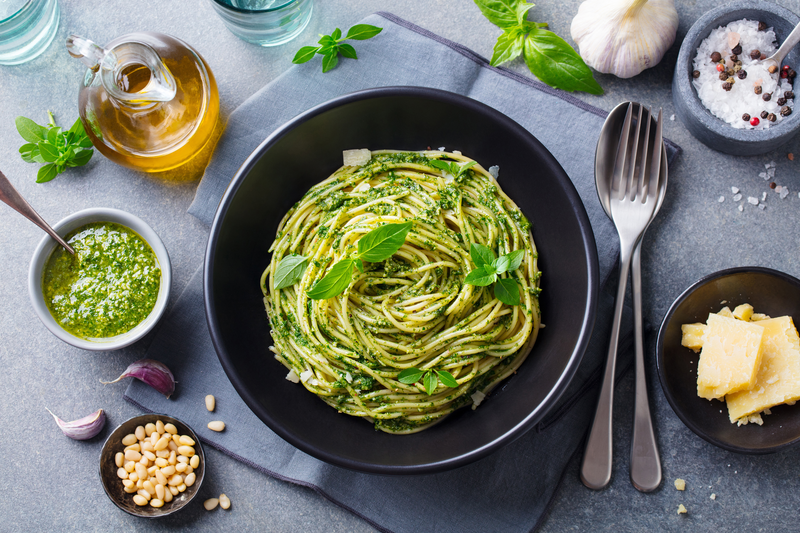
[
  {"x": 786, "y": 67},
  {"x": 784, "y": 74},
  {"x": 754, "y": 121},
  {"x": 720, "y": 67}
]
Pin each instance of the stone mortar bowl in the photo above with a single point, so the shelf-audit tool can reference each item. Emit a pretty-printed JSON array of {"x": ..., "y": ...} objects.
[{"x": 707, "y": 128}]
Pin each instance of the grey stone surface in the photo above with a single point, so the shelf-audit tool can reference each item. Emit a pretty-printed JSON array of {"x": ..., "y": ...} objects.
[{"x": 51, "y": 484}]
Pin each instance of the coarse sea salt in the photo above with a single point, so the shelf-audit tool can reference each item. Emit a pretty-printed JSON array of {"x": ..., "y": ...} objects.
[{"x": 731, "y": 106}]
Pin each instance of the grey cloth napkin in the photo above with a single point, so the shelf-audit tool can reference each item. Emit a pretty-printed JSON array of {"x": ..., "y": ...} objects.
[{"x": 511, "y": 489}]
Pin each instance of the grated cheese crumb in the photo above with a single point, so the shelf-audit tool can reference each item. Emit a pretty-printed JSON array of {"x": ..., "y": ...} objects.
[
  {"x": 741, "y": 207},
  {"x": 494, "y": 170},
  {"x": 752, "y": 200},
  {"x": 477, "y": 398},
  {"x": 713, "y": 496},
  {"x": 737, "y": 197},
  {"x": 682, "y": 509},
  {"x": 680, "y": 484},
  {"x": 293, "y": 377}
]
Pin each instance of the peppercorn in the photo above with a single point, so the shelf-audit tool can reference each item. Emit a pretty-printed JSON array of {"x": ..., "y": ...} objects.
[
  {"x": 738, "y": 63},
  {"x": 791, "y": 73},
  {"x": 766, "y": 97},
  {"x": 764, "y": 114},
  {"x": 784, "y": 74},
  {"x": 786, "y": 111},
  {"x": 727, "y": 86},
  {"x": 730, "y": 72},
  {"x": 772, "y": 69},
  {"x": 734, "y": 57},
  {"x": 720, "y": 67},
  {"x": 736, "y": 50},
  {"x": 772, "y": 185},
  {"x": 723, "y": 76},
  {"x": 786, "y": 67},
  {"x": 763, "y": 56},
  {"x": 715, "y": 57},
  {"x": 781, "y": 101},
  {"x": 746, "y": 117},
  {"x": 757, "y": 89},
  {"x": 742, "y": 74},
  {"x": 762, "y": 26},
  {"x": 754, "y": 121},
  {"x": 771, "y": 117},
  {"x": 755, "y": 54},
  {"x": 696, "y": 74},
  {"x": 790, "y": 155},
  {"x": 788, "y": 94}
]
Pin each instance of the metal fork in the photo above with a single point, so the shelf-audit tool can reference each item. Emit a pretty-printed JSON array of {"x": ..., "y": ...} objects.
[{"x": 634, "y": 196}]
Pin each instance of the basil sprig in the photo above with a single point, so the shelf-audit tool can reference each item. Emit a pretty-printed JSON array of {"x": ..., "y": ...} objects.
[
  {"x": 290, "y": 270},
  {"x": 487, "y": 269},
  {"x": 430, "y": 378},
  {"x": 53, "y": 147},
  {"x": 454, "y": 168},
  {"x": 378, "y": 245},
  {"x": 547, "y": 55},
  {"x": 330, "y": 46}
]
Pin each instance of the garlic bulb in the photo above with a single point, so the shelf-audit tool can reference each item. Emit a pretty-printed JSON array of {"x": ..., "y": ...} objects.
[{"x": 624, "y": 37}]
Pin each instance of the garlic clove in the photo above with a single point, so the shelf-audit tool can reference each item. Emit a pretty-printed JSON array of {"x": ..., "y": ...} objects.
[
  {"x": 154, "y": 373},
  {"x": 84, "y": 428},
  {"x": 624, "y": 37}
]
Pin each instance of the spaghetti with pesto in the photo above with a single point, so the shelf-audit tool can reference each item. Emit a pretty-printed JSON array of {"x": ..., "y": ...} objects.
[{"x": 413, "y": 310}]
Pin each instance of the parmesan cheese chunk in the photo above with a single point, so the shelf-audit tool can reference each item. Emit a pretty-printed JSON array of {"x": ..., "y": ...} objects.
[
  {"x": 356, "y": 158},
  {"x": 693, "y": 336},
  {"x": 778, "y": 377},
  {"x": 730, "y": 357}
]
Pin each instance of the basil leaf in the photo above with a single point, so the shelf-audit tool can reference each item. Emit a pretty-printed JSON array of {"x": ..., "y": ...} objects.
[
  {"x": 463, "y": 168},
  {"x": 500, "y": 264},
  {"x": 28, "y": 147},
  {"x": 330, "y": 61},
  {"x": 46, "y": 173},
  {"x": 553, "y": 61},
  {"x": 48, "y": 151},
  {"x": 53, "y": 134},
  {"x": 290, "y": 270},
  {"x": 430, "y": 382},
  {"x": 29, "y": 130},
  {"x": 409, "y": 375},
  {"x": 481, "y": 255},
  {"x": 336, "y": 35},
  {"x": 37, "y": 157},
  {"x": 28, "y": 156},
  {"x": 77, "y": 130},
  {"x": 305, "y": 54},
  {"x": 447, "y": 379},
  {"x": 508, "y": 46},
  {"x": 521, "y": 10},
  {"x": 514, "y": 260},
  {"x": 441, "y": 165},
  {"x": 327, "y": 40},
  {"x": 502, "y": 13},
  {"x": 481, "y": 277},
  {"x": 81, "y": 158},
  {"x": 381, "y": 243},
  {"x": 335, "y": 281},
  {"x": 348, "y": 51},
  {"x": 507, "y": 291},
  {"x": 362, "y": 32},
  {"x": 359, "y": 264}
]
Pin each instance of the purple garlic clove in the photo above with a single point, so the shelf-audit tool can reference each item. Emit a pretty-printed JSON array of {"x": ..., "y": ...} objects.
[
  {"x": 84, "y": 428},
  {"x": 154, "y": 373}
]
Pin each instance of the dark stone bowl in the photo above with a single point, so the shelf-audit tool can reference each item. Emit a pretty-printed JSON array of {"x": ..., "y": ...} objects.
[
  {"x": 707, "y": 128},
  {"x": 770, "y": 292}
]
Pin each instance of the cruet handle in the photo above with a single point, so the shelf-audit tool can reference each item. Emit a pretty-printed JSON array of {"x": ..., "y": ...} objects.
[{"x": 87, "y": 51}]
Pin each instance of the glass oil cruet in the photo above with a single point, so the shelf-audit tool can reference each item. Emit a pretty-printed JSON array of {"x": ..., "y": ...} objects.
[{"x": 148, "y": 102}]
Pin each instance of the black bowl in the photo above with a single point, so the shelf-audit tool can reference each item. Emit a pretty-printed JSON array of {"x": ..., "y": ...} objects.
[
  {"x": 307, "y": 150},
  {"x": 768, "y": 291}
]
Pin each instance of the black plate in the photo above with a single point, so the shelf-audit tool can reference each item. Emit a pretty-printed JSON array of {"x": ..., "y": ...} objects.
[
  {"x": 768, "y": 291},
  {"x": 307, "y": 150}
]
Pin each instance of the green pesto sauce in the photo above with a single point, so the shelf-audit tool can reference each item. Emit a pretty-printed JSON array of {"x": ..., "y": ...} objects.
[{"x": 108, "y": 287}]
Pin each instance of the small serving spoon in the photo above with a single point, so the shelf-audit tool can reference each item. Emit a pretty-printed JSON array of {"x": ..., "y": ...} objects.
[
  {"x": 10, "y": 196},
  {"x": 785, "y": 47}
]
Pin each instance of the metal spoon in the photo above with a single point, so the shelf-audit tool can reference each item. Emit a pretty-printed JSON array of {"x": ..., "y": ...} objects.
[
  {"x": 645, "y": 462},
  {"x": 10, "y": 196},
  {"x": 786, "y": 46}
]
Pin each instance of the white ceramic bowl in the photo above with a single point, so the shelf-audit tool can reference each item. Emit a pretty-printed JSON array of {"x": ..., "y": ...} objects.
[{"x": 64, "y": 227}]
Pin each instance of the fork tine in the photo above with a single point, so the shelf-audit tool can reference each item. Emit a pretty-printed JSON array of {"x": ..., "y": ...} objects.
[
  {"x": 655, "y": 167},
  {"x": 644, "y": 176},
  {"x": 630, "y": 185},
  {"x": 622, "y": 156}
]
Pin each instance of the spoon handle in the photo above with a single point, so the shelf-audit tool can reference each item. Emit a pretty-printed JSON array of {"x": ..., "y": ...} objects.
[
  {"x": 10, "y": 196},
  {"x": 645, "y": 461},
  {"x": 786, "y": 46}
]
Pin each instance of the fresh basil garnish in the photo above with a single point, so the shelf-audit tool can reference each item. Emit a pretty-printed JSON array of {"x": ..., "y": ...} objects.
[
  {"x": 488, "y": 268},
  {"x": 335, "y": 281},
  {"x": 430, "y": 378},
  {"x": 331, "y": 46},
  {"x": 53, "y": 147},
  {"x": 290, "y": 270}
]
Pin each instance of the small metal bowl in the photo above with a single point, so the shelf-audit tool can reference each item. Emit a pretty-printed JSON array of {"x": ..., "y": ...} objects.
[
  {"x": 770, "y": 292},
  {"x": 707, "y": 128},
  {"x": 113, "y": 484},
  {"x": 73, "y": 222}
]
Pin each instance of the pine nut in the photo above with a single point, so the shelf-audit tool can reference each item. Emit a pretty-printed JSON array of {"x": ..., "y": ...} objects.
[
  {"x": 133, "y": 455},
  {"x": 172, "y": 490},
  {"x": 144, "y": 461},
  {"x": 216, "y": 425},
  {"x": 188, "y": 451},
  {"x": 144, "y": 494},
  {"x": 129, "y": 439},
  {"x": 190, "y": 479},
  {"x": 134, "y": 447},
  {"x": 194, "y": 462},
  {"x": 149, "y": 428},
  {"x": 211, "y": 504},
  {"x": 160, "y": 491},
  {"x": 141, "y": 471},
  {"x": 149, "y": 487},
  {"x": 139, "y": 433},
  {"x": 151, "y": 471},
  {"x": 128, "y": 483},
  {"x": 172, "y": 446},
  {"x": 188, "y": 470},
  {"x": 182, "y": 487},
  {"x": 130, "y": 490},
  {"x": 183, "y": 459},
  {"x": 140, "y": 484},
  {"x": 168, "y": 470},
  {"x": 161, "y": 462},
  {"x": 172, "y": 458},
  {"x": 150, "y": 455},
  {"x": 119, "y": 459},
  {"x": 160, "y": 426},
  {"x": 162, "y": 444},
  {"x": 139, "y": 500},
  {"x": 186, "y": 440},
  {"x": 176, "y": 439},
  {"x": 162, "y": 479},
  {"x": 180, "y": 467},
  {"x": 129, "y": 466},
  {"x": 147, "y": 446},
  {"x": 122, "y": 473},
  {"x": 133, "y": 476},
  {"x": 175, "y": 480},
  {"x": 155, "y": 502},
  {"x": 167, "y": 496},
  {"x": 224, "y": 501},
  {"x": 162, "y": 453},
  {"x": 170, "y": 428},
  {"x": 154, "y": 438},
  {"x": 211, "y": 402}
]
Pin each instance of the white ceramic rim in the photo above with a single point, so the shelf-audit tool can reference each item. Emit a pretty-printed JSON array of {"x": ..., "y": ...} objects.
[{"x": 48, "y": 244}]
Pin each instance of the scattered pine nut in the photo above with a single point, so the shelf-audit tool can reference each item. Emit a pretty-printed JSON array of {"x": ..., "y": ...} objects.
[
  {"x": 217, "y": 425},
  {"x": 210, "y": 504},
  {"x": 211, "y": 402},
  {"x": 681, "y": 509},
  {"x": 224, "y": 501}
]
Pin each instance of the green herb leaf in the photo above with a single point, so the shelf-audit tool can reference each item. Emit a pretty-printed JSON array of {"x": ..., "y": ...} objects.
[
  {"x": 409, "y": 375},
  {"x": 514, "y": 260},
  {"x": 441, "y": 165},
  {"x": 80, "y": 158},
  {"x": 553, "y": 61},
  {"x": 305, "y": 54},
  {"x": 447, "y": 379},
  {"x": 522, "y": 9},
  {"x": 330, "y": 61},
  {"x": 502, "y": 13},
  {"x": 290, "y": 270},
  {"x": 508, "y": 46},
  {"x": 507, "y": 291},
  {"x": 53, "y": 135},
  {"x": 362, "y": 32},
  {"x": 481, "y": 255},
  {"x": 28, "y": 147},
  {"x": 348, "y": 51},
  {"x": 381, "y": 243},
  {"x": 327, "y": 40},
  {"x": 46, "y": 173},
  {"x": 29, "y": 130},
  {"x": 430, "y": 382},
  {"x": 48, "y": 151},
  {"x": 460, "y": 169},
  {"x": 335, "y": 281},
  {"x": 481, "y": 277}
]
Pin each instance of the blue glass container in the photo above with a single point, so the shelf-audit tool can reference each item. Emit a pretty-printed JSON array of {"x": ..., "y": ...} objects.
[
  {"x": 26, "y": 29},
  {"x": 265, "y": 22}
]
